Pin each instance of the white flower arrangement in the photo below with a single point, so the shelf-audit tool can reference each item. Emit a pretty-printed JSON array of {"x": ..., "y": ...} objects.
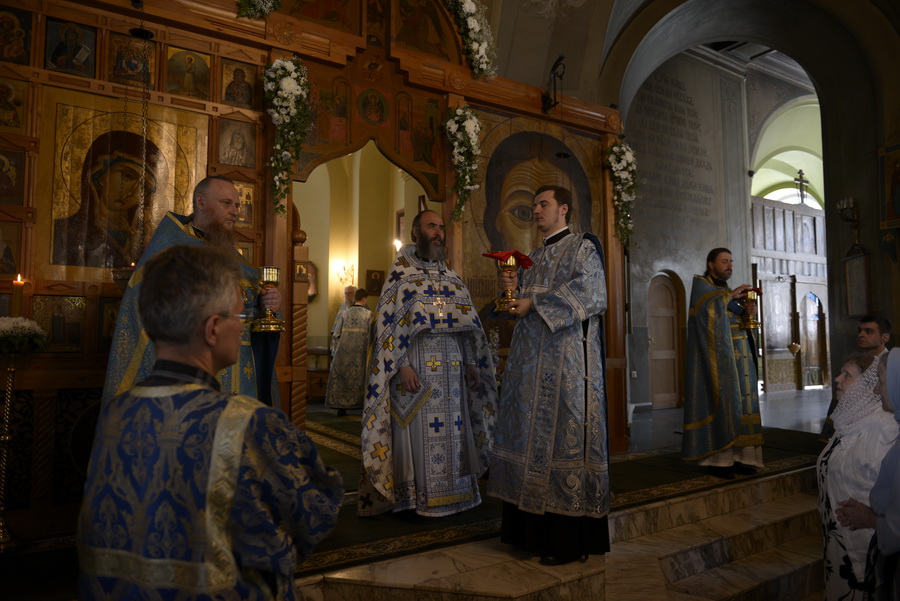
[
  {"x": 18, "y": 334},
  {"x": 463, "y": 128},
  {"x": 478, "y": 42},
  {"x": 624, "y": 178},
  {"x": 257, "y": 9},
  {"x": 286, "y": 86}
]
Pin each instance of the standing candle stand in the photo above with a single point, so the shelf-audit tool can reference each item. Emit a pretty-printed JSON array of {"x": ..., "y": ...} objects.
[{"x": 17, "y": 336}]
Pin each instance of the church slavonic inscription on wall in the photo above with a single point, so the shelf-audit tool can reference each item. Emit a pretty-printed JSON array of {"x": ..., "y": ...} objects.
[{"x": 677, "y": 178}]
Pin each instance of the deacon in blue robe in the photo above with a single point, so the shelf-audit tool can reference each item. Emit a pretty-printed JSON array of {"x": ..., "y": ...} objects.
[
  {"x": 131, "y": 355},
  {"x": 722, "y": 426},
  {"x": 550, "y": 455}
]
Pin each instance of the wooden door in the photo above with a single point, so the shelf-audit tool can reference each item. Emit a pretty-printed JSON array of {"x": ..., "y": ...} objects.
[{"x": 664, "y": 327}]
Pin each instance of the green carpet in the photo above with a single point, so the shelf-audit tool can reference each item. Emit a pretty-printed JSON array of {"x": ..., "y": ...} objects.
[{"x": 636, "y": 478}]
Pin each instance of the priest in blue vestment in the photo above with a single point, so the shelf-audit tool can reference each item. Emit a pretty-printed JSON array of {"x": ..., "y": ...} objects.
[
  {"x": 722, "y": 426},
  {"x": 432, "y": 392},
  {"x": 194, "y": 493},
  {"x": 550, "y": 461},
  {"x": 216, "y": 206}
]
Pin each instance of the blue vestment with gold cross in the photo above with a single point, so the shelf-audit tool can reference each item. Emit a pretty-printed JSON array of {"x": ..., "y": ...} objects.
[
  {"x": 131, "y": 356},
  {"x": 426, "y": 450},
  {"x": 721, "y": 400}
]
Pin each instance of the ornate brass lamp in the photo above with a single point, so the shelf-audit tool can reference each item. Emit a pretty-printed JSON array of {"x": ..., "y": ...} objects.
[
  {"x": 508, "y": 260},
  {"x": 269, "y": 277}
]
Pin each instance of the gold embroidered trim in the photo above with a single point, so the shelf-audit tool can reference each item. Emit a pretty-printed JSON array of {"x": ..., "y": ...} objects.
[
  {"x": 220, "y": 570},
  {"x": 415, "y": 410},
  {"x": 135, "y": 363}
]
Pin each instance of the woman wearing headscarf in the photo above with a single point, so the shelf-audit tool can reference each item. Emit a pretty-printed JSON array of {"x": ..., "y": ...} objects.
[
  {"x": 848, "y": 467},
  {"x": 883, "y": 511}
]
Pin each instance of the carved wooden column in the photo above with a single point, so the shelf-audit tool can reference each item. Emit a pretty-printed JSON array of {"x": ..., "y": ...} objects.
[{"x": 300, "y": 296}]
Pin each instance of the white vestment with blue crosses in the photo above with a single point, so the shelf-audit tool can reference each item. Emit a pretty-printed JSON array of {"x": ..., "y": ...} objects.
[{"x": 426, "y": 451}]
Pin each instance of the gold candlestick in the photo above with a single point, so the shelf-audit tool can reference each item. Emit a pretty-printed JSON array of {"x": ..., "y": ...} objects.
[
  {"x": 750, "y": 322},
  {"x": 269, "y": 277},
  {"x": 508, "y": 260},
  {"x": 502, "y": 304}
]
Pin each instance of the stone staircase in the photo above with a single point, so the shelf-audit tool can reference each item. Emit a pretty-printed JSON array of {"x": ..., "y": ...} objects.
[{"x": 752, "y": 539}]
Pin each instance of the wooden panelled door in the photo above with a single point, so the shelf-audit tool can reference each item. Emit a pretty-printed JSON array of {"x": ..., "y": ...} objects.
[{"x": 665, "y": 340}]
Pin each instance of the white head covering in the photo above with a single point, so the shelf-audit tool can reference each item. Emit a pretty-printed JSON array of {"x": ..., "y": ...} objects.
[{"x": 859, "y": 401}]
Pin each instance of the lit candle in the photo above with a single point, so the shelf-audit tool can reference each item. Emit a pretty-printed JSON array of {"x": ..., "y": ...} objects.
[{"x": 15, "y": 303}]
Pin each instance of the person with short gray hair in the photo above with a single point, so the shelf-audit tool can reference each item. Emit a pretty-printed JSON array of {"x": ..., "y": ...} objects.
[{"x": 192, "y": 491}]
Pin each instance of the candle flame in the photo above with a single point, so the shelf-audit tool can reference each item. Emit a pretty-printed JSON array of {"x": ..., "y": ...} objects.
[{"x": 19, "y": 278}]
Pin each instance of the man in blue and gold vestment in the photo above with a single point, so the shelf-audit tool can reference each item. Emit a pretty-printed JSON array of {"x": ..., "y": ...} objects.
[
  {"x": 432, "y": 393},
  {"x": 193, "y": 492},
  {"x": 550, "y": 462},
  {"x": 216, "y": 206},
  {"x": 722, "y": 426}
]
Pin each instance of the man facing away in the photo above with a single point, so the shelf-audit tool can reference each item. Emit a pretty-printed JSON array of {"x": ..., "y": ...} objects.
[
  {"x": 349, "y": 371},
  {"x": 722, "y": 426},
  {"x": 550, "y": 458},
  {"x": 872, "y": 336},
  {"x": 193, "y": 492},
  {"x": 349, "y": 295},
  {"x": 432, "y": 393},
  {"x": 216, "y": 207}
]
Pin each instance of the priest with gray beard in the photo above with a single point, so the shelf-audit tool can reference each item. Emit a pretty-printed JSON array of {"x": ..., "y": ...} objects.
[
  {"x": 216, "y": 204},
  {"x": 432, "y": 394}
]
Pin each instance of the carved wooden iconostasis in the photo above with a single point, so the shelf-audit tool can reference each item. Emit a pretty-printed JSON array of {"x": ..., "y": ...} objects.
[{"x": 76, "y": 137}]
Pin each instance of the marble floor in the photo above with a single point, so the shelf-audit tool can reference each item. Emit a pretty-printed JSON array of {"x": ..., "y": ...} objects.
[{"x": 802, "y": 410}]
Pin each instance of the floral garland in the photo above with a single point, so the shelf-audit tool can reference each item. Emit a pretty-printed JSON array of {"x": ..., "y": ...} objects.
[
  {"x": 462, "y": 129},
  {"x": 257, "y": 9},
  {"x": 624, "y": 178},
  {"x": 478, "y": 43},
  {"x": 18, "y": 334},
  {"x": 287, "y": 89}
]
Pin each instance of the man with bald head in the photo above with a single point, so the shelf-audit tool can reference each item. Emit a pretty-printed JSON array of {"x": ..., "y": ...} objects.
[
  {"x": 432, "y": 393},
  {"x": 216, "y": 206}
]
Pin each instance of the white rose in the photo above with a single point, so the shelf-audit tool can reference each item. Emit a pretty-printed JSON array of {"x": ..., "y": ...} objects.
[
  {"x": 469, "y": 7},
  {"x": 285, "y": 156},
  {"x": 473, "y": 24}
]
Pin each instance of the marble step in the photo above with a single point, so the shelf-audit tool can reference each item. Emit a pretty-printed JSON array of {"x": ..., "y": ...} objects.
[
  {"x": 688, "y": 548},
  {"x": 792, "y": 570},
  {"x": 730, "y": 537},
  {"x": 653, "y": 517}
]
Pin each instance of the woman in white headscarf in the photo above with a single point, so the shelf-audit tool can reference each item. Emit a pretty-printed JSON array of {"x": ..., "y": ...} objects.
[
  {"x": 848, "y": 467},
  {"x": 883, "y": 511}
]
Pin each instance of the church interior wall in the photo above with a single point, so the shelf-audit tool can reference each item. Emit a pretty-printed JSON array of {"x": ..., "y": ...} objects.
[{"x": 686, "y": 126}]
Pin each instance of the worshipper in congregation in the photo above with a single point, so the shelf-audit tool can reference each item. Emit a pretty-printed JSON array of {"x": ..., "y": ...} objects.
[
  {"x": 550, "y": 463},
  {"x": 432, "y": 393},
  {"x": 216, "y": 206},
  {"x": 883, "y": 510},
  {"x": 847, "y": 467},
  {"x": 351, "y": 346},
  {"x": 193, "y": 492}
]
